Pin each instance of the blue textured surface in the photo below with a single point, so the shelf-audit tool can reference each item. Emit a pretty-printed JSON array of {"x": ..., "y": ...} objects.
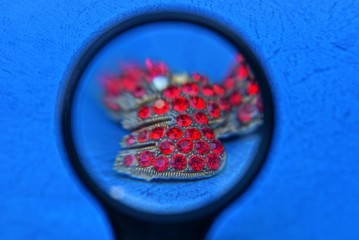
[{"x": 309, "y": 186}]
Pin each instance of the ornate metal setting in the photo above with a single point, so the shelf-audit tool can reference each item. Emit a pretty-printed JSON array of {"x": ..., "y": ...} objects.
[{"x": 177, "y": 119}]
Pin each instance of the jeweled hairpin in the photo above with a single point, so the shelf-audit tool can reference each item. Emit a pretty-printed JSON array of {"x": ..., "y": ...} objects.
[{"x": 176, "y": 120}]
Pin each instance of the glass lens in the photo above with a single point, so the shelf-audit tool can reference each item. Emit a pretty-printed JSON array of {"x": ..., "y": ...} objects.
[{"x": 167, "y": 117}]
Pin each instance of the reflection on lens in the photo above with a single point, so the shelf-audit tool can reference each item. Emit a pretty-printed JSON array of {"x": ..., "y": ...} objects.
[{"x": 167, "y": 117}]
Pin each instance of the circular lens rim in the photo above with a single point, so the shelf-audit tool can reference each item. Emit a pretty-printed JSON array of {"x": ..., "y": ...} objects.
[{"x": 86, "y": 58}]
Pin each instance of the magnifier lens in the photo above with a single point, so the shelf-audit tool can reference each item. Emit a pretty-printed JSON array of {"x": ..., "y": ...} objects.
[{"x": 167, "y": 117}]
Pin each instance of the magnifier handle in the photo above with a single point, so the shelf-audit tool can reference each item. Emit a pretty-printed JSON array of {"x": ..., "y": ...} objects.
[{"x": 126, "y": 228}]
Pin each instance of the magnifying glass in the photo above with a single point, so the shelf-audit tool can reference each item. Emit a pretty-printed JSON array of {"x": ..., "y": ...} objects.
[{"x": 166, "y": 118}]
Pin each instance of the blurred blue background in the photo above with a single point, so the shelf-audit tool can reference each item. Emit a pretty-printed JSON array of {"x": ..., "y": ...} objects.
[{"x": 309, "y": 187}]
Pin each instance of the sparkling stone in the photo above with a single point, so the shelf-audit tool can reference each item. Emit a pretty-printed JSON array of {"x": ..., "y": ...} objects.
[
  {"x": 214, "y": 110},
  {"x": 180, "y": 104},
  {"x": 202, "y": 147},
  {"x": 157, "y": 133},
  {"x": 184, "y": 120},
  {"x": 235, "y": 98},
  {"x": 172, "y": 91},
  {"x": 199, "y": 78},
  {"x": 246, "y": 113},
  {"x": 213, "y": 161},
  {"x": 128, "y": 160},
  {"x": 218, "y": 90},
  {"x": 160, "y": 163},
  {"x": 130, "y": 140},
  {"x": 142, "y": 136},
  {"x": 178, "y": 162},
  {"x": 229, "y": 83},
  {"x": 201, "y": 118},
  {"x": 167, "y": 147},
  {"x": 180, "y": 78},
  {"x": 145, "y": 158},
  {"x": 160, "y": 82},
  {"x": 156, "y": 69},
  {"x": 217, "y": 147},
  {"x": 174, "y": 133},
  {"x": 224, "y": 104},
  {"x": 208, "y": 133},
  {"x": 252, "y": 88},
  {"x": 193, "y": 133},
  {"x": 144, "y": 112},
  {"x": 197, "y": 103},
  {"x": 138, "y": 92},
  {"x": 112, "y": 87},
  {"x": 184, "y": 145},
  {"x": 160, "y": 106},
  {"x": 208, "y": 91},
  {"x": 196, "y": 163},
  {"x": 242, "y": 72},
  {"x": 190, "y": 89}
]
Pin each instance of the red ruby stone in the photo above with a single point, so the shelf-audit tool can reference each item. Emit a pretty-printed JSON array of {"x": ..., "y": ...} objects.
[
  {"x": 138, "y": 92},
  {"x": 246, "y": 113},
  {"x": 224, "y": 104},
  {"x": 236, "y": 98},
  {"x": 145, "y": 158},
  {"x": 213, "y": 161},
  {"x": 128, "y": 160},
  {"x": 193, "y": 133},
  {"x": 178, "y": 162},
  {"x": 190, "y": 89},
  {"x": 144, "y": 112},
  {"x": 229, "y": 83},
  {"x": 208, "y": 91},
  {"x": 218, "y": 90},
  {"x": 197, "y": 103},
  {"x": 130, "y": 140},
  {"x": 202, "y": 147},
  {"x": 252, "y": 88},
  {"x": 142, "y": 136},
  {"x": 214, "y": 110},
  {"x": 167, "y": 147},
  {"x": 183, "y": 120},
  {"x": 160, "y": 163},
  {"x": 180, "y": 104},
  {"x": 172, "y": 91},
  {"x": 196, "y": 163},
  {"x": 112, "y": 86},
  {"x": 199, "y": 78},
  {"x": 201, "y": 118},
  {"x": 155, "y": 69},
  {"x": 157, "y": 133},
  {"x": 217, "y": 147},
  {"x": 184, "y": 145},
  {"x": 160, "y": 106},
  {"x": 242, "y": 72},
  {"x": 208, "y": 133},
  {"x": 174, "y": 133}
]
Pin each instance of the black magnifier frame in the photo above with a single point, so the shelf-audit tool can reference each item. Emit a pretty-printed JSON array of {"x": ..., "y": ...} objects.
[{"x": 131, "y": 223}]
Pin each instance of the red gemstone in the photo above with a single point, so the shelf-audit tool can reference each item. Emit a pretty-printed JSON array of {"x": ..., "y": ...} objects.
[
  {"x": 193, "y": 133},
  {"x": 217, "y": 147},
  {"x": 213, "y": 161},
  {"x": 138, "y": 92},
  {"x": 208, "y": 91},
  {"x": 196, "y": 163},
  {"x": 142, "y": 136},
  {"x": 110, "y": 104},
  {"x": 167, "y": 147},
  {"x": 199, "y": 78},
  {"x": 224, "y": 104},
  {"x": 180, "y": 104},
  {"x": 157, "y": 133},
  {"x": 145, "y": 158},
  {"x": 129, "y": 84},
  {"x": 197, "y": 103},
  {"x": 252, "y": 88},
  {"x": 172, "y": 91},
  {"x": 160, "y": 163},
  {"x": 242, "y": 72},
  {"x": 190, "y": 89},
  {"x": 246, "y": 113},
  {"x": 112, "y": 87},
  {"x": 214, "y": 110},
  {"x": 208, "y": 133},
  {"x": 235, "y": 98},
  {"x": 160, "y": 106},
  {"x": 229, "y": 83},
  {"x": 128, "y": 160},
  {"x": 184, "y": 145},
  {"x": 130, "y": 140},
  {"x": 201, "y": 118},
  {"x": 184, "y": 120},
  {"x": 202, "y": 147},
  {"x": 174, "y": 133},
  {"x": 218, "y": 90},
  {"x": 178, "y": 162},
  {"x": 155, "y": 69},
  {"x": 144, "y": 112}
]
